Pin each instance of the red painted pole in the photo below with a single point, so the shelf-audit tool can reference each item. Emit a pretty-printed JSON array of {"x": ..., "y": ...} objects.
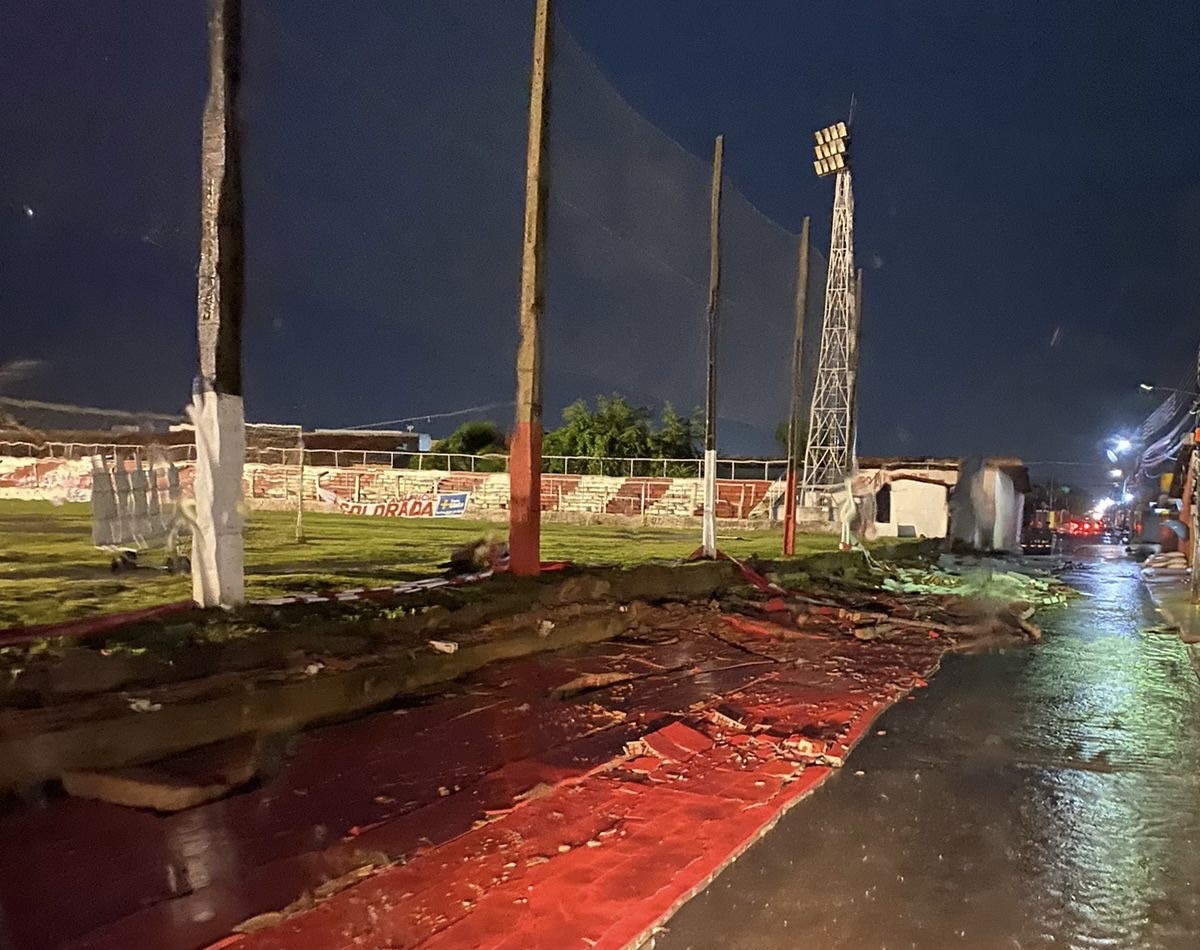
[
  {"x": 525, "y": 453},
  {"x": 789, "y": 513}
]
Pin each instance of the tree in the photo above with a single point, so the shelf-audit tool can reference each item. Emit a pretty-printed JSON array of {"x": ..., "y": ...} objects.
[
  {"x": 476, "y": 437},
  {"x": 615, "y": 430},
  {"x": 612, "y": 432},
  {"x": 678, "y": 437},
  {"x": 781, "y": 438}
]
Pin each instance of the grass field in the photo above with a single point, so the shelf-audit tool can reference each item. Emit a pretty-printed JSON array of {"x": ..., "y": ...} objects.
[{"x": 49, "y": 570}]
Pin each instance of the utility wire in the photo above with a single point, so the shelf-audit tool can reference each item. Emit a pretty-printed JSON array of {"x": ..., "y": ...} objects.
[
  {"x": 87, "y": 410},
  {"x": 430, "y": 416}
]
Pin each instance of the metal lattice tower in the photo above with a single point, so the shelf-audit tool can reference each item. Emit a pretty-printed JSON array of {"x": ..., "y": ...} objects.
[{"x": 829, "y": 452}]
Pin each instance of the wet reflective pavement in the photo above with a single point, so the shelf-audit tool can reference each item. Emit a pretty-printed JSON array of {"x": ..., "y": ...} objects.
[{"x": 1047, "y": 797}]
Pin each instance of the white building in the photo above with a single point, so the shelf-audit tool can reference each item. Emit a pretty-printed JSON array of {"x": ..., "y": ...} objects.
[{"x": 911, "y": 495}]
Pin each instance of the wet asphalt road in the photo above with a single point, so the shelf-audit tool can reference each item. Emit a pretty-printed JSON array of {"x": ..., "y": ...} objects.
[{"x": 1047, "y": 797}]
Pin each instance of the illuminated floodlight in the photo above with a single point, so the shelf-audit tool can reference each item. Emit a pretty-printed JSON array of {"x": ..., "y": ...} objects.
[
  {"x": 1115, "y": 473},
  {"x": 1146, "y": 387},
  {"x": 832, "y": 149},
  {"x": 1122, "y": 445},
  {"x": 1112, "y": 456}
]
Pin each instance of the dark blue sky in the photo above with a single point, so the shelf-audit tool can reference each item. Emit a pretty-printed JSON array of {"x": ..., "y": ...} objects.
[{"x": 1026, "y": 176}]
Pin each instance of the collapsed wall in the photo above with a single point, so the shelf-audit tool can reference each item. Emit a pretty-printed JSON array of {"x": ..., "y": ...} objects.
[{"x": 988, "y": 504}]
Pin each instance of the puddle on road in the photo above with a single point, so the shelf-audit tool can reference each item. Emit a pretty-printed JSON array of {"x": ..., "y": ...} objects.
[{"x": 1047, "y": 797}]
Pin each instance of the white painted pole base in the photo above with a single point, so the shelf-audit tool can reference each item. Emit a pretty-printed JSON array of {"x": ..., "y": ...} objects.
[
  {"x": 709, "y": 537},
  {"x": 846, "y": 512},
  {"x": 217, "y": 545}
]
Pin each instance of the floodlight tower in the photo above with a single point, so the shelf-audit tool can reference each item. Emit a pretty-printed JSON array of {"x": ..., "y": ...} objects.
[{"x": 829, "y": 452}]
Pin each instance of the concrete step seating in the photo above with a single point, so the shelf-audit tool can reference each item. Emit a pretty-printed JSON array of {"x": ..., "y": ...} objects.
[
  {"x": 636, "y": 495},
  {"x": 557, "y": 491},
  {"x": 679, "y": 500},
  {"x": 737, "y": 499}
]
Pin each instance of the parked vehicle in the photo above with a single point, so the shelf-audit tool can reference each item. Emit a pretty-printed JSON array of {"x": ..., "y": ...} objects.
[{"x": 1038, "y": 541}]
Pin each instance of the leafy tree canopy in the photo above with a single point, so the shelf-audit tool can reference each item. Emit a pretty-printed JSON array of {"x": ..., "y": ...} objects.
[
  {"x": 613, "y": 429},
  {"x": 477, "y": 437},
  {"x": 616, "y": 429}
]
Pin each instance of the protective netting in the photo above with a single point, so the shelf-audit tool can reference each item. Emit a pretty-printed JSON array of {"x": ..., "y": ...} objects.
[
  {"x": 383, "y": 164},
  {"x": 384, "y": 173},
  {"x": 409, "y": 213}
]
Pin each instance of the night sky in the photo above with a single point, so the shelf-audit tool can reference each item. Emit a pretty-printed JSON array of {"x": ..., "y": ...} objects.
[{"x": 1027, "y": 184}]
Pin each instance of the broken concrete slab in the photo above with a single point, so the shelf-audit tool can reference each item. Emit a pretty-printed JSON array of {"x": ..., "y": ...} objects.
[
  {"x": 675, "y": 742},
  {"x": 102, "y": 733},
  {"x": 172, "y": 784}
]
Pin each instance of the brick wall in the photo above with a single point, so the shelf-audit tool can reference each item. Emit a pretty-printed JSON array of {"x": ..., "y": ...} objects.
[{"x": 596, "y": 497}]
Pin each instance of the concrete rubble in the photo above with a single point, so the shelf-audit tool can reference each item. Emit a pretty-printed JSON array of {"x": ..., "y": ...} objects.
[{"x": 570, "y": 798}]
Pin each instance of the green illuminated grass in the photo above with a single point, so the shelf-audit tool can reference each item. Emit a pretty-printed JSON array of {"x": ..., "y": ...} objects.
[{"x": 49, "y": 570}]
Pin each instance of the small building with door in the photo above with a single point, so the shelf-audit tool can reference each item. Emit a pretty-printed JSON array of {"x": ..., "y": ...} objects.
[{"x": 911, "y": 495}]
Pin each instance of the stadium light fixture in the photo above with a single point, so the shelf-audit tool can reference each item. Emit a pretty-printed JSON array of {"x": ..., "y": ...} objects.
[
  {"x": 832, "y": 150},
  {"x": 1147, "y": 387}
]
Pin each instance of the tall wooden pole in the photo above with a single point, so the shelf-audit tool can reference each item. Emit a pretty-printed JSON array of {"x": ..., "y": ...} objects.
[
  {"x": 216, "y": 410},
  {"x": 789, "y": 507},
  {"x": 525, "y": 454},
  {"x": 710, "y": 405},
  {"x": 221, "y": 285}
]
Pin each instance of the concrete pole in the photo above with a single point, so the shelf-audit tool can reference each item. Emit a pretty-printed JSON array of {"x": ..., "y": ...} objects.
[
  {"x": 525, "y": 454},
  {"x": 789, "y": 508},
  {"x": 217, "y": 411},
  {"x": 300, "y": 495},
  {"x": 709, "y": 542}
]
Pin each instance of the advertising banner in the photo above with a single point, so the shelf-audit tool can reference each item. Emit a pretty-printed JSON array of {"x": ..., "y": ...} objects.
[{"x": 420, "y": 505}]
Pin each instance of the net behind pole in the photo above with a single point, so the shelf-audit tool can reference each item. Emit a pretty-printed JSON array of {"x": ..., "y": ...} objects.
[{"x": 383, "y": 182}]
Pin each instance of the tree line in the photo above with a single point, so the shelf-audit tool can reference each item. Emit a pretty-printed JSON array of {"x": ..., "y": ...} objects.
[{"x": 610, "y": 431}]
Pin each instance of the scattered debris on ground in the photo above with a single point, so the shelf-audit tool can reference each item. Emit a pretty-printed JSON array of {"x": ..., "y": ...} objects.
[
  {"x": 977, "y": 608},
  {"x": 654, "y": 736},
  {"x": 1170, "y": 563}
]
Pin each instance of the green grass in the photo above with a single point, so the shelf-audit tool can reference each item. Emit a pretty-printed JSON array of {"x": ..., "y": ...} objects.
[{"x": 49, "y": 570}]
